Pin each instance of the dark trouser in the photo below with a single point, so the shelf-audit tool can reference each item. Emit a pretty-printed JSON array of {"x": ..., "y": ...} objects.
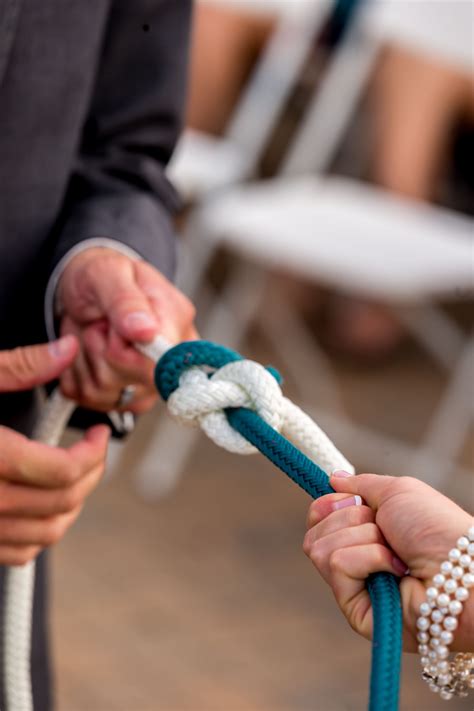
[
  {"x": 20, "y": 412},
  {"x": 40, "y": 667}
]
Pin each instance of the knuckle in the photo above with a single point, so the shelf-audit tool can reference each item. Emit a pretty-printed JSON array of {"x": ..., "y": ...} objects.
[
  {"x": 53, "y": 532},
  {"x": 336, "y": 561},
  {"x": 307, "y": 542},
  {"x": 70, "y": 500},
  {"x": 317, "y": 553}
]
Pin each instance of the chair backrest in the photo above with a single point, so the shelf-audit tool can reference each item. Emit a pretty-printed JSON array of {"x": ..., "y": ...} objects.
[
  {"x": 271, "y": 82},
  {"x": 333, "y": 104}
]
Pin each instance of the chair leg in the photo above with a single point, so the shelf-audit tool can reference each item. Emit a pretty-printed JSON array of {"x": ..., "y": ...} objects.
[{"x": 449, "y": 426}]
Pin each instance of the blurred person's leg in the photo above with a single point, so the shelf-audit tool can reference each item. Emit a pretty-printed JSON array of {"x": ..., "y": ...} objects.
[
  {"x": 226, "y": 43},
  {"x": 417, "y": 104}
]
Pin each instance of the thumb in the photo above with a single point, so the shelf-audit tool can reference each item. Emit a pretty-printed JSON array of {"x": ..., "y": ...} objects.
[
  {"x": 23, "y": 368},
  {"x": 373, "y": 488},
  {"x": 125, "y": 305}
]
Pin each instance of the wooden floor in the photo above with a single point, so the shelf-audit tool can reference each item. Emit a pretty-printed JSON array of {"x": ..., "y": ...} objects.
[{"x": 204, "y": 601}]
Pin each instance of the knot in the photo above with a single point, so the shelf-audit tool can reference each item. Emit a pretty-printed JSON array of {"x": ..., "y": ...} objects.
[{"x": 201, "y": 400}]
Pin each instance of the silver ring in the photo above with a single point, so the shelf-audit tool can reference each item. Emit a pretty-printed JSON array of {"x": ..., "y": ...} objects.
[{"x": 126, "y": 396}]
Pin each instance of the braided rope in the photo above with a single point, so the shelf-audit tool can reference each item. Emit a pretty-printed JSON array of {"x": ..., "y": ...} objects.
[
  {"x": 382, "y": 587},
  {"x": 181, "y": 367}
]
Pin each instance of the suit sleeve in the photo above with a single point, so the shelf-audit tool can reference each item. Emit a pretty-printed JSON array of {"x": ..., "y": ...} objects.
[{"x": 118, "y": 189}]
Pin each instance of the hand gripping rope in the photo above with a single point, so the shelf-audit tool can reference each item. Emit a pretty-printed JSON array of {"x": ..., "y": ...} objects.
[{"x": 239, "y": 405}]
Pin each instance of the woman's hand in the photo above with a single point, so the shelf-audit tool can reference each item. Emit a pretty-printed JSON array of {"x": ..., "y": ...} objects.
[
  {"x": 42, "y": 488},
  {"x": 382, "y": 523}
]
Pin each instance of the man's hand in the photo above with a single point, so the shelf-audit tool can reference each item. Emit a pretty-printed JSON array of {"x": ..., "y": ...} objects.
[
  {"x": 109, "y": 301},
  {"x": 42, "y": 488}
]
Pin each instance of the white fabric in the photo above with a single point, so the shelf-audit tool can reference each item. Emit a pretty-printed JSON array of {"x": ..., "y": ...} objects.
[{"x": 441, "y": 29}]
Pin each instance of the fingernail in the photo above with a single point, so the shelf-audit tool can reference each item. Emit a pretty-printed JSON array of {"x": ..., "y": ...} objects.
[
  {"x": 139, "y": 319},
  {"x": 399, "y": 566},
  {"x": 341, "y": 473},
  {"x": 350, "y": 501},
  {"x": 61, "y": 347}
]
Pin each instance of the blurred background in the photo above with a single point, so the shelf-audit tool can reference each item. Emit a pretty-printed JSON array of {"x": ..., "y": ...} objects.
[{"x": 327, "y": 177}]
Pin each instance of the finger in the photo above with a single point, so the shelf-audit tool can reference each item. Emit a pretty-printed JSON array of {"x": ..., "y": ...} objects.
[
  {"x": 98, "y": 388},
  {"x": 27, "y": 462},
  {"x": 36, "y": 531},
  {"x": 142, "y": 405},
  {"x": 123, "y": 301},
  {"x": 325, "y": 505},
  {"x": 172, "y": 308},
  {"x": 18, "y": 555},
  {"x": 23, "y": 368},
  {"x": 343, "y": 518},
  {"x": 373, "y": 488},
  {"x": 128, "y": 362},
  {"x": 349, "y": 568},
  {"x": 29, "y": 502},
  {"x": 321, "y": 549}
]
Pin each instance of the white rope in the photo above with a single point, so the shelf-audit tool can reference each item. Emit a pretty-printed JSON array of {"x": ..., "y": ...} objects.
[{"x": 198, "y": 401}]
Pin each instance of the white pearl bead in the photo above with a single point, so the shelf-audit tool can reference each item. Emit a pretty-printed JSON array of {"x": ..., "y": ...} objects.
[
  {"x": 450, "y": 585},
  {"x": 439, "y": 580},
  {"x": 468, "y": 580},
  {"x": 435, "y": 630},
  {"x": 432, "y": 593},
  {"x": 434, "y": 688},
  {"x": 422, "y": 623},
  {"x": 461, "y": 594},
  {"x": 432, "y": 655},
  {"x": 455, "y": 607},
  {"x": 442, "y": 651},
  {"x": 437, "y": 615},
  {"x": 450, "y": 623},
  {"x": 457, "y": 572},
  {"x": 434, "y": 642},
  {"x": 444, "y": 679},
  {"x": 462, "y": 543},
  {"x": 446, "y": 567},
  {"x": 423, "y": 649},
  {"x": 443, "y": 665},
  {"x": 425, "y": 609},
  {"x": 423, "y": 637},
  {"x": 465, "y": 560},
  {"x": 446, "y": 695},
  {"x": 470, "y": 549},
  {"x": 443, "y": 600},
  {"x": 424, "y": 661},
  {"x": 470, "y": 533},
  {"x": 446, "y": 637},
  {"x": 454, "y": 555}
]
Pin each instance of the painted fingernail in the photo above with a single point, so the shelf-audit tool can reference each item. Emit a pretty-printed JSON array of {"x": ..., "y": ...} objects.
[
  {"x": 139, "y": 319},
  {"x": 61, "y": 347},
  {"x": 399, "y": 566},
  {"x": 341, "y": 473},
  {"x": 350, "y": 501}
]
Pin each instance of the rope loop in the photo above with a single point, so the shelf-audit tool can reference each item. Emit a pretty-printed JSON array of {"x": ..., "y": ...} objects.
[{"x": 201, "y": 401}]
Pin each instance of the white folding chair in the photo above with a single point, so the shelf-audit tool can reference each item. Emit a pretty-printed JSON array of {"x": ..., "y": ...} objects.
[
  {"x": 203, "y": 163},
  {"x": 337, "y": 232}
]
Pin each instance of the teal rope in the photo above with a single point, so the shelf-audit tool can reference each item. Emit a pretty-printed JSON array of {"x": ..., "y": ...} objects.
[{"x": 382, "y": 587}]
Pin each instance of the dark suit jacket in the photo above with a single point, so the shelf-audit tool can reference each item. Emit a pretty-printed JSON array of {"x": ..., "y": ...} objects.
[{"x": 91, "y": 96}]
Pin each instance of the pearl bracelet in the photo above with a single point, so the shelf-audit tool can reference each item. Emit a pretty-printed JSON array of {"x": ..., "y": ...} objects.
[{"x": 439, "y": 619}]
